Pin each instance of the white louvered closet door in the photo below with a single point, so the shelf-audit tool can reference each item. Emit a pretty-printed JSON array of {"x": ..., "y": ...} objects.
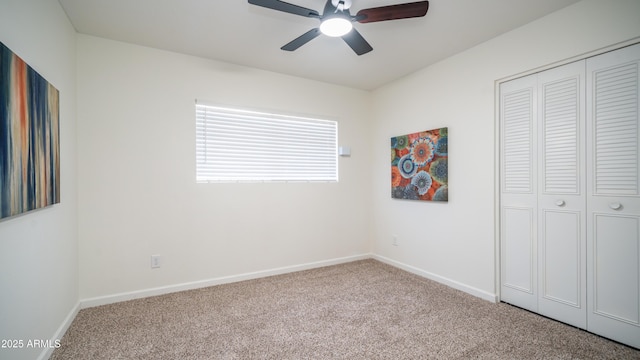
[
  {"x": 561, "y": 194},
  {"x": 518, "y": 208},
  {"x": 570, "y": 194},
  {"x": 543, "y": 193},
  {"x": 613, "y": 204}
]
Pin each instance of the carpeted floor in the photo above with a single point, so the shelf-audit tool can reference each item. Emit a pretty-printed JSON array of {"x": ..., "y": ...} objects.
[{"x": 359, "y": 310}]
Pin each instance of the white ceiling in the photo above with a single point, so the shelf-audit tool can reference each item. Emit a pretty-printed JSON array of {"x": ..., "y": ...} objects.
[{"x": 236, "y": 32}]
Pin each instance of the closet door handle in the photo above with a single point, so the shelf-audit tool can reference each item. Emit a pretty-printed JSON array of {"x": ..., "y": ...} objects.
[
  {"x": 615, "y": 206},
  {"x": 560, "y": 202}
]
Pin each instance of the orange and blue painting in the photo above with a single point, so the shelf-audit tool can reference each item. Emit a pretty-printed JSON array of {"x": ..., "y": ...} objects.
[
  {"x": 419, "y": 166},
  {"x": 29, "y": 138}
]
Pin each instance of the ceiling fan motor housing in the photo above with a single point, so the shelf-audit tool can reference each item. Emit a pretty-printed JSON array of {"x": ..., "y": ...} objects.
[{"x": 341, "y": 4}]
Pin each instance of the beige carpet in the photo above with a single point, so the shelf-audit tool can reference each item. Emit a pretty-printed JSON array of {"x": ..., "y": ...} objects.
[{"x": 360, "y": 310}]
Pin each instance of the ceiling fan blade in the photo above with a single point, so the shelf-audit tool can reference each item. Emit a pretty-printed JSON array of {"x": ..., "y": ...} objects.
[
  {"x": 393, "y": 12},
  {"x": 357, "y": 42},
  {"x": 301, "y": 40},
  {"x": 286, "y": 7}
]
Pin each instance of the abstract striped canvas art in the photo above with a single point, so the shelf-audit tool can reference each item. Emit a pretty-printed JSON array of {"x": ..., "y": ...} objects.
[{"x": 29, "y": 138}]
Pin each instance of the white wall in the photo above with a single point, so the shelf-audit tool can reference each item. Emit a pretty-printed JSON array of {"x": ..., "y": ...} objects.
[
  {"x": 455, "y": 242},
  {"x": 137, "y": 189},
  {"x": 38, "y": 250}
]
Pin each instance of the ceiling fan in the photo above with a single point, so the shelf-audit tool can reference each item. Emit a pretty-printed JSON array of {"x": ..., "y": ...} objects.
[{"x": 336, "y": 21}]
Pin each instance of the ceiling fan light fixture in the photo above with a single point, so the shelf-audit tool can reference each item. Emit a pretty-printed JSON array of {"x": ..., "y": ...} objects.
[
  {"x": 336, "y": 26},
  {"x": 336, "y": 20}
]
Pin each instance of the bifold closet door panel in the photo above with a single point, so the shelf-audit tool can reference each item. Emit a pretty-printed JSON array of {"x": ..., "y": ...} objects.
[
  {"x": 613, "y": 203},
  {"x": 561, "y": 194},
  {"x": 518, "y": 209}
]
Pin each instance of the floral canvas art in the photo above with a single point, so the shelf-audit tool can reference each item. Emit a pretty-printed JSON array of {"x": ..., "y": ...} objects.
[{"x": 419, "y": 166}]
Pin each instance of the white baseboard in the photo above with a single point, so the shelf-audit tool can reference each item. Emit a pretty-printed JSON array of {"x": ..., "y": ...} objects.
[
  {"x": 62, "y": 329},
  {"x": 110, "y": 299},
  {"x": 443, "y": 280}
]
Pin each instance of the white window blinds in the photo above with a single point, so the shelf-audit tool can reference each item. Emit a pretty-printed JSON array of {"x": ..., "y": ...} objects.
[{"x": 239, "y": 145}]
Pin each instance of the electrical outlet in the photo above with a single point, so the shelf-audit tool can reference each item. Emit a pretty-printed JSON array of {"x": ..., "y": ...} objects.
[
  {"x": 155, "y": 261},
  {"x": 394, "y": 240}
]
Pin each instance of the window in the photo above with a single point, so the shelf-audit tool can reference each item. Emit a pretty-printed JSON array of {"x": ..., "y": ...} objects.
[{"x": 239, "y": 145}]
